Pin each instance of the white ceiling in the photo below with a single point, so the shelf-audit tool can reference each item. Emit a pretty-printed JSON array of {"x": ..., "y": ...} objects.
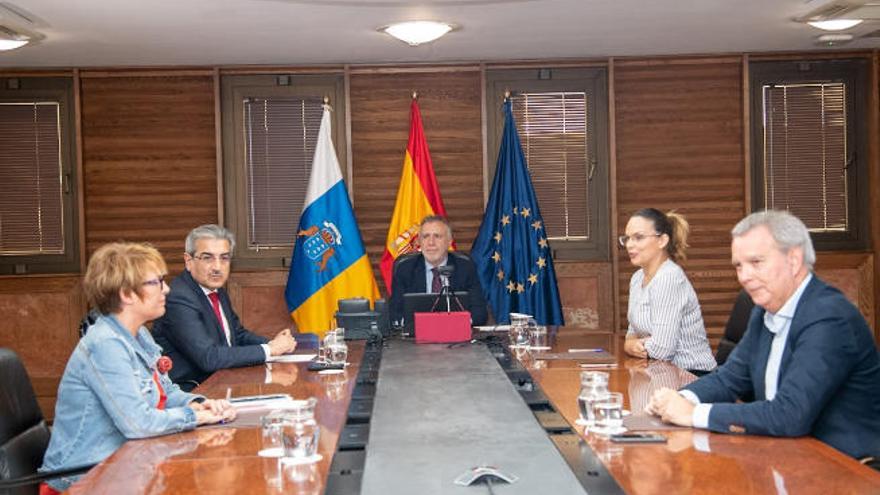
[{"x": 90, "y": 33}]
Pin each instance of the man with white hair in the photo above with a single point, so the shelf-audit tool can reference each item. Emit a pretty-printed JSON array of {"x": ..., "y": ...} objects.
[{"x": 808, "y": 356}]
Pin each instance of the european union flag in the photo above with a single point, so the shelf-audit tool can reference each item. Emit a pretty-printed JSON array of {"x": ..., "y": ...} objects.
[{"x": 511, "y": 251}]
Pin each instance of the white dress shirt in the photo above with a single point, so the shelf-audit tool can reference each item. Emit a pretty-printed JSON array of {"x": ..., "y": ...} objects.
[
  {"x": 778, "y": 324},
  {"x": 429, "y": 275},
  {"x": 226, "y": 329}
]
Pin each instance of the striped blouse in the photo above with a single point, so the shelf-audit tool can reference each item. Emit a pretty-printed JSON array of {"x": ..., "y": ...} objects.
[{"x": 668, "y": 313}]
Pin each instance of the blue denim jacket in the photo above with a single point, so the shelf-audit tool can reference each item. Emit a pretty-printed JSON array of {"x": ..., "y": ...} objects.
[{"x": 107, "y": 396}]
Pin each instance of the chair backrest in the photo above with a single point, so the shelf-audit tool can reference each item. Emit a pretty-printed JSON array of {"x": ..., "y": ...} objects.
[
  {"x": 736, "y": 326},
  {"x": 24, "y": 434}
]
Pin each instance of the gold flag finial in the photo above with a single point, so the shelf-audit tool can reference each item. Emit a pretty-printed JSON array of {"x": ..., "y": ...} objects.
[{"x": 415, "y": 95}]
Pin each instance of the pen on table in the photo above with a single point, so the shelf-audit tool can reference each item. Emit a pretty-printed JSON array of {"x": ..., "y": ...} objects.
[
  {"x": 594, "y": 365},
  {"x": 598, "y": 349}
]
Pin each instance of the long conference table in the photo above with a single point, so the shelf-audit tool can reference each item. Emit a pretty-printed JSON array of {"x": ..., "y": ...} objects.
[{"x": 407, "y": 418}]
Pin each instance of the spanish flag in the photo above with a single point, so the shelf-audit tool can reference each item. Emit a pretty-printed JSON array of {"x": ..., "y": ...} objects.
[
  {"x": 417, "y": 197},
  {"x": 329, "y": 260}
]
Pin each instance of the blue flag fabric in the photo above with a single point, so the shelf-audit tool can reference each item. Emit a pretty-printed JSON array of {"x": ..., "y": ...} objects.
[{"x": 511, "y": 252}]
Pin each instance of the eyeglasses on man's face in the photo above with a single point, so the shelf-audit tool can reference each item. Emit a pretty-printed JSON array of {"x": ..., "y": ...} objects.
[
  {"x": 637, "y": 238},
  {"x": 208, "y": 258},
  {"x": 158, "y": 281}
]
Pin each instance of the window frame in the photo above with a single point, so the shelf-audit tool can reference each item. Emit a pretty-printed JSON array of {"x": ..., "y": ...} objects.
[
  {"x": 60, "y": 89},
  {"x": 593, "y": 82},
  {"x": 852, "y": 72},
  {"x": 234, "y": 88}
]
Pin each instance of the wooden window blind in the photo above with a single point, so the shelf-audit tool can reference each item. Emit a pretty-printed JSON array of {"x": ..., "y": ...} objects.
[
  {"x": 806, "y": 153},
  {"x": 280, "y": 134},
  {"x": 553, "y": 130},
  {"x": 31, "y": 212}
]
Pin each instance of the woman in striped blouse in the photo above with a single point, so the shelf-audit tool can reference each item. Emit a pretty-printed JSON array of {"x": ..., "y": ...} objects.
[{"x": 664, "y": 315}]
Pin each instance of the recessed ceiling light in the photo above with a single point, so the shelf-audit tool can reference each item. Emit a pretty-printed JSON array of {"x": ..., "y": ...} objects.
[
  {"x": 835, "y": 24},
  {"x": 415, "y": 33}
]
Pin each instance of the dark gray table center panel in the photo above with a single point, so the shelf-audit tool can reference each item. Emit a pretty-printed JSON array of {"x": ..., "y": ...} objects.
[{"x": 440, "y": 411}]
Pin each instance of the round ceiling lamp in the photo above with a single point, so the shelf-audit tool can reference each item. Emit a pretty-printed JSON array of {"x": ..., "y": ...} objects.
[
  {"x": 835, "y": 24},
  {"x": 415, "y": 33}
]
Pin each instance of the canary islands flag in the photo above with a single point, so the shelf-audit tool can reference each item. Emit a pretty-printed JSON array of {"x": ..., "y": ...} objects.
[
  {"x": 511, "y": 251},
  {"x": 329, "y": 260}
]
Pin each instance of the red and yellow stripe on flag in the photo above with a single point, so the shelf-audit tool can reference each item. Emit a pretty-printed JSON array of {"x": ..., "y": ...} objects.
[{"x": 417, "y": 197}]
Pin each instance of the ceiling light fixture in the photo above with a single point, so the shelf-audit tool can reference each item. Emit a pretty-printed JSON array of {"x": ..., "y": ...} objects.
[
  {"x": 833, "y": 39},
  {"x": 415, "y": 33},
  {"x": 835, "y": 24},
  {"x": 10, "y": 40}
]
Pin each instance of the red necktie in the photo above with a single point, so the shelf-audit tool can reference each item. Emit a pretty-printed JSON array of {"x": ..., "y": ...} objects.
[
  {"x": 435, "y": 283},
  {"x": 215, "y": 302}
]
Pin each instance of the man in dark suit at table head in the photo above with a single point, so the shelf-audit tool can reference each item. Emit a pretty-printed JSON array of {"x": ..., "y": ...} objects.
[
  {"x": 419, "y": 273},
  {"x": 808, "y": 355},
  {"x": 200, "y": 331}
]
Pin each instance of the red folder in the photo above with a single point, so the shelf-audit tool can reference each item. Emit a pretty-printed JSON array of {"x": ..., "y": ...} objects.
[{"x": 442, "y": 327}]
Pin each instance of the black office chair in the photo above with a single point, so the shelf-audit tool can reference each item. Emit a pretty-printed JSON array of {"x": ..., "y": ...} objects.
[
  {"x": 736, "y": 326},
  {"x": 24, "y": 434}
]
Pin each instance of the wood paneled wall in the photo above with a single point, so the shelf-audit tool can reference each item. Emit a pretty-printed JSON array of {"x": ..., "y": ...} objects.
[
  {"x": 149, "y": 160},
  {"x": 40, "y": 317},
  {"x": 150, "y": 174},
  {"x": 679, "y": 126},
  {"x": 450, "y": 104}
]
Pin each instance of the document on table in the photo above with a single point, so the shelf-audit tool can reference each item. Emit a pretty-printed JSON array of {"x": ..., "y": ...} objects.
[
  {"x": 255, "y": 402},
  {"x": 292, "y": 358}
]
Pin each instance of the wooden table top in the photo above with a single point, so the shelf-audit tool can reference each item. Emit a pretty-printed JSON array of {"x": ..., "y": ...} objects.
[
  {"x": 224, "y": 459},
  {"x": 735, "y": 464}
]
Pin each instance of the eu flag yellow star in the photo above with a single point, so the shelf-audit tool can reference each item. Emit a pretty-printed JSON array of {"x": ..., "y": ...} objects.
[
  {"x": 500, "y": 275},
  {"x": 542, "y": 242},
  {"x": 533, "y": 278},
  {"x": 520, "y": 288},
  {"x": 505, "y": 220},
  {"x": 511, "y": 286},
  {"x": 541, "y": 262},
  {"x": 526, "y": 212},
  {"x": 496, "y": 257},
  {"x": 497, "y": 237},
  {"x": 536, "y": 224}
]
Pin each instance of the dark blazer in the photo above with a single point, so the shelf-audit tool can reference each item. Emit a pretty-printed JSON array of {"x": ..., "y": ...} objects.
[
  {"x": 829, "y": 378},
  {"x": 409, "y": 277},
  {"x": 190, "y": 335}
]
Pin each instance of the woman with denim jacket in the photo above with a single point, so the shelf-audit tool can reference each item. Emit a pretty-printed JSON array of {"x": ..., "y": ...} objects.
[{"x": 115, "y": 388}]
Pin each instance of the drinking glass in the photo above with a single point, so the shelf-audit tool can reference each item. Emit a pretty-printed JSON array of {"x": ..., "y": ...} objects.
[
  {"x": 300, "y": 431},
  {"x": 608, "y": 412},
  {"x": 337, "y": 353},
  {"x": 594, "y": 387},
  {"x": 538, "y": 338},
  {"x": 271, "y": 426},
  {"x": 322, "y": 351}
]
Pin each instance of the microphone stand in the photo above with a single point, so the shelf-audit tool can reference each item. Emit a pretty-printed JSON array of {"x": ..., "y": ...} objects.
[{"x": 446, "y": 292}]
